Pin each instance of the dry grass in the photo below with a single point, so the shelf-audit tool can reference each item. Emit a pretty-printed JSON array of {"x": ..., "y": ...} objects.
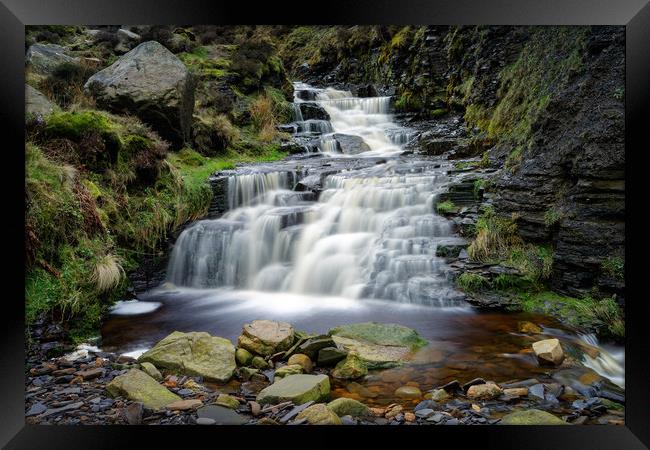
[
  {"x": 107, "y": 274},
  {"x": 262, "y": 112},
  {"x": 495, "y": 237}
]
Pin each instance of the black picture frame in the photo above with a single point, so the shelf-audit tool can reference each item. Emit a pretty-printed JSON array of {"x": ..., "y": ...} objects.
[{"x": 633, "y": 14}]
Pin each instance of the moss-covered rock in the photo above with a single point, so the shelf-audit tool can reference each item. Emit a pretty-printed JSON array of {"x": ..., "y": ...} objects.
[
  {"x": 195, "y": 354},
  {"x": 290, "y": 369},
  {"x": 350, "y": 368},
  {"x": 266, "y": 337},
  {"x": 389, "y": 334},
  {"x": 140, "y": 387},
  {"x": 531, "y": 417},
  {"x": 319, "y": 414},
  {"x": 343, "y": 406},
  {"x": 298, "y": 389}
]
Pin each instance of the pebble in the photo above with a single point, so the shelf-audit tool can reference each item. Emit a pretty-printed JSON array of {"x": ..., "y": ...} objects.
[
  {"x": 205, "y": 421},
  {"x": 37, "y": 408},
  {"x": 424, "y": 412}
]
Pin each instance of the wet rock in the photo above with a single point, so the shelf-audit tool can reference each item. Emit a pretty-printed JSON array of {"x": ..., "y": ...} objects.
[
  {"x": 537, "y": 391},
  {"x": 409, "y": 392},
  {"x": 133, "y": 413},
  {"x": 140, "y": 387},
  {"x": 221, "y": 415},
  {"x": 350, "y": 144},
  {"x": 44, "y": 58},
  {"x": 259, "y": 363},
  {"x": 151, "y": 370},
  {"x": 486, "y": 391},
  {"x": 348, "y": 407},
  {"x": 195, "y": 354},
  {"x": 531, "y": 417},
  {"x": 246, "y": 373},
  {"x": 298, "y": 389},
  {"x": 378, "y": 345},
  {"x": 243, "y": 357},
  {"x": 473, "y": 382},
  {"x": 528, "y": 327},
  {"x": 152, "y": 83},
  {"x": 319, "y": 414},
  {"x": 184, "y": 405},
  {"x": 228, "y": 401},
  {"x": 440, "y": 395},
  {"x": 266, "y": 337},
  {"x": 311, "y": 110},
  {"x": 352, "y": 367},
  {"x": 303, "y": 360},
  {"x": 453, "y": 386},
  {"x": 284, "y": 371},
  {"x": 312, "y": 346},
  {"x": 548, "y": 352}
]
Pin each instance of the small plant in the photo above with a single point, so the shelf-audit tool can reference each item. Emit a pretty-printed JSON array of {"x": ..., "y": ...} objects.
[
  {"x": 495, "y": 236},
  {"x": 485, "y": 161},
  {"x": 471, "y": 282},
  {"x": 615, "y": 267},
  {"x": 514, "y": 159},
  {"x": 552, "y": 217},
  {"x": 479, "y": 185},
  {"x": 445, "y": 207},
  {"x": 619, "y": 93},
  {"x": 108, "y": 273}
]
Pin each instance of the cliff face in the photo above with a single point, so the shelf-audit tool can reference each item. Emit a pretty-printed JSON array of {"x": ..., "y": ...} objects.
[{"x": 546, "y": 103}]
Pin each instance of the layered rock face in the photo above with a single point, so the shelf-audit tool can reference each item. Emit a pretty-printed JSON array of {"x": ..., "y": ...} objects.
[{"x": 152, "y": 83}]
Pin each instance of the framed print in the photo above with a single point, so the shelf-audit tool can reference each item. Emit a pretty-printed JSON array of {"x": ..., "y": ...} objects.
[{"x": 376, "y": 220}]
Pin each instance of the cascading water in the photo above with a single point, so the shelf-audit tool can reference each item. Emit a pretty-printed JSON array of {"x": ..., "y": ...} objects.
[{"x": 372, "y": 233}]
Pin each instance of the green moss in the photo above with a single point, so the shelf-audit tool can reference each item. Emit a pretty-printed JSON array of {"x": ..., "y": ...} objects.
[
  {"x": 603, "y": 316},
  {"x": 436, "y": 113},
  {"x": 73, "y": 125},
  {"x": 615, "y": 267},
  {"x": 472, "y": 282}
]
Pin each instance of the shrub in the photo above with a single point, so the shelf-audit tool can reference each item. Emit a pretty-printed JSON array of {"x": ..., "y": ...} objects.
[
  {"x": 445, "y": 207},
  {"x": 213, "y": 133},
  {"x": 65, "y": 85},
  {"x": 614, "y": 266}
]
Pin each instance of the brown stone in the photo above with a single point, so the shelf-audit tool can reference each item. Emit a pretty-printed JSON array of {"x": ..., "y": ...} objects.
[
  {"x": 184, "y": 405},
  {"x": 516, "y": 392},
  {"x": 90, "y": 374},
  {"x": 486, "y": 391}
]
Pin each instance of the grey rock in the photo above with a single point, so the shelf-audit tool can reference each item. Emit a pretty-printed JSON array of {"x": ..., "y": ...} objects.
[
  {"x": 221, "y": 415},
  {"x": 36, "y": 409},
  {"x": 44, "y": 58}
]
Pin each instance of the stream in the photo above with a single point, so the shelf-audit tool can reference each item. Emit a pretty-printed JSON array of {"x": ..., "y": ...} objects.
[{"x": 345, "y": 232}]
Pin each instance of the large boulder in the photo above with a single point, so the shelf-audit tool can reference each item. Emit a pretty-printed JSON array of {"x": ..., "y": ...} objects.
[
  {"x": 194, "y": 354},
  {"x": 140, "y": 387},
  {"x": 44, "y": 58},
  {"x": 266, "y": 337},
  {"x": 548, "y": 352},
  {"x": 298, "y": 389},
  {"x": 37, "y": 104},
  {"x": 319, "y": 414},
  {"x": 378, "y": 345},
  {"x": 531, "y": 417},
  {"x": 152, "y": 83},
  {"x": 313, "y": 111},
  {"x": 350, "y": 144}
]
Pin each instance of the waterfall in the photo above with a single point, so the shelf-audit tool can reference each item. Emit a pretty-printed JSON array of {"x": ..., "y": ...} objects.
[
  {"x": 373, "y": 233},
  {"x": 610, "y": 365}
]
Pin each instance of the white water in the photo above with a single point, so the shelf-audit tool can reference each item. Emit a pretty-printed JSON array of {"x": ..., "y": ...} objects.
[
  {"x": 372, "y": 234},
  {"x": 609, "y": 363}
]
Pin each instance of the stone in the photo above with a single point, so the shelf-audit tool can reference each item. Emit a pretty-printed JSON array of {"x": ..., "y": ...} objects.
[
  {"x": 151, "y": 370},
  {"x": 473, "y": 382},
  {"x": 330, "y": 356},
  {"x": 246, "y": 373},
  {"x": 243, "y": 357},
  {"x": 44, "y": 58},
  {"x": 440, "y": 395},
  {"x": 486, "y": 391},
  {"x": 90, "y": 373},
  {"x": 537, "y": 391},
  {"x": 410, "y": 392},
  {"x": 140, "y": 387},
  {"x": 36, "y": 409},
  {"x": 528, "y": 327},
  {"x": 185, "y": 405},
  {"x": 259, "y": 363},
  {"x": 221, "y": 415},
  {"x": 151, "y": 83},
  {"x": 343, "y": 406},
  {"x": 311, "y": 110},
  {"x": 424, "y": 413},
  {"x": 37, "y": 104},
  {"x": 549, "y": 352},
  {"x": 266, "y": 337},
  {"x": 228, "y": 401},
  {"x": 194, "y": 354},
  {"x": 284, "y": 371},
  {"x": 409, "y": 417},
  {"x": 350, "y": 368},
  {"x": 298, "y": 389},
  {"x": 303, "y": 360},
  {"x": 319, "y": 414},
  {"x": 350, "y": 144},
  {"x": 294, "y": 412},
  {"x": 531, "y": 417},
  {"x": 133, "y": 413},
  {"x": 516, "y": 392},
  {"x": 205, "y": 421},
  {"x": 312, "y": 346},
  {"x": 453, "y": 386}
]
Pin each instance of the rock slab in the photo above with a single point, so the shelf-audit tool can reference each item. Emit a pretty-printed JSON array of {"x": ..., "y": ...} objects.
[
  {"x": 140, "y": 387},
  {"x": 298, "y": 389}
]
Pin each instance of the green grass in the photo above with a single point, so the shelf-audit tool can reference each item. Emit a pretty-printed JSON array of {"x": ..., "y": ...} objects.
[
  {"x": 445, "y": 207},
  {"x": 495, "y": 237},
  {"x": 603, "y": 316},
  {"x": 472, "y": 282},
  {"x": 552, "y": 217},
  {"x": 614, "y": 266}
]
